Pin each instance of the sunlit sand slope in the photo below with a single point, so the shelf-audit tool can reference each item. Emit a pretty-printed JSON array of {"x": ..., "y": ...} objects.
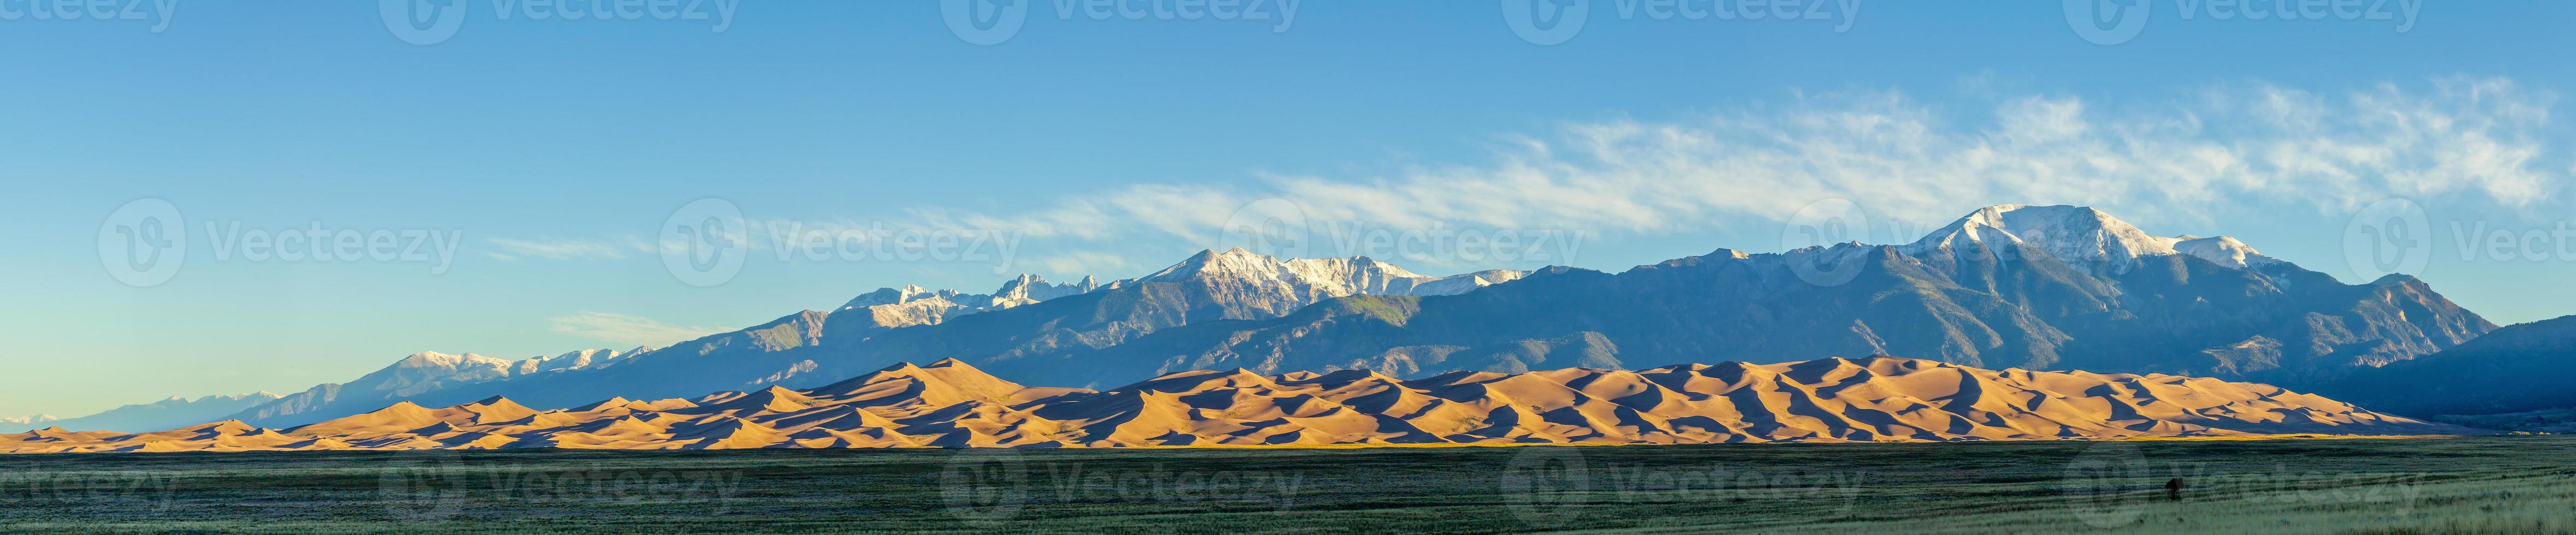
[{"x": 951, "y": 404}]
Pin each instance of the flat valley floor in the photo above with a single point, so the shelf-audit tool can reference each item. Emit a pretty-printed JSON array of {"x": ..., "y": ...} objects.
[{"x": 2432, "y": 485}]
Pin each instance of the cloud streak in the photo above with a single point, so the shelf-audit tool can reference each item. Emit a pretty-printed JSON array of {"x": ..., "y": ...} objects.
[
  {"x": 2473, "y": 137},
  {"x": 626, "y": 329},
  {"x": 568, "y": 249},
  {"x": 2217, "y": 150}
]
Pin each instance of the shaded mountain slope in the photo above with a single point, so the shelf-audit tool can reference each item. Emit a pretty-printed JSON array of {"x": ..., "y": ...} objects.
[
  {"x": 2166, "y": 314},
  {"x": 2518, "y": 368}
]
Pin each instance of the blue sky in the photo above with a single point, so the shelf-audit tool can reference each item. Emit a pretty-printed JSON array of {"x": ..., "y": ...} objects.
[{"x": 555, "y": 151}]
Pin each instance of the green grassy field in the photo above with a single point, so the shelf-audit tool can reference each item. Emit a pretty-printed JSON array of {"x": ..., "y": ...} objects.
[{"x": 2493, "y": 484}]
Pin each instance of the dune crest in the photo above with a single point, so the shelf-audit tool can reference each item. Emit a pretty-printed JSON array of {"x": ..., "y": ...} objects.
[{"x": 952, "y": 404}]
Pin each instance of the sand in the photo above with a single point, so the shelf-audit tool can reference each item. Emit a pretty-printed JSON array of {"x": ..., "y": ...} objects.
[{"x": 952, "y": 404}]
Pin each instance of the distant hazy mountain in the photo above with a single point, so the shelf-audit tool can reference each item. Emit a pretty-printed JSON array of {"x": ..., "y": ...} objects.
[
  {"x": 952, "y": 404},
  {"x": 2055, "y": 287},
  {"x": 421, "y": 373},
  {"x": 164, "y": 414},
  {"x": 2514, "y": 369},
  {"x": 1027, "y": 316}
]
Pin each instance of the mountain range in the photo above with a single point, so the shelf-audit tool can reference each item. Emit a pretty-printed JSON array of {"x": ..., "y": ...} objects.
[
  {"x": 2094, "y": 294},
  {"x": 2031, "y": 287},
  {"x": 425, "y": 373},
  {"x": 953, "y": 404},
  {"x": 812, "y": 348},
  {"x": 156, "y": 415}
]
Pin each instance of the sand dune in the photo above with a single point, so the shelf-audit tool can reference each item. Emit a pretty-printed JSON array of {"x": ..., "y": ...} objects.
[{"x": 951, "y": 404}]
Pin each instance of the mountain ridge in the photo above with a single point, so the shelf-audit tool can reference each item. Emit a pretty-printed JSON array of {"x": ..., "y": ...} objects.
[
  {"x": 2162, "y": 312},
  {"x": 162, "y": 414},
  {"x": 1212, "y": 285}
]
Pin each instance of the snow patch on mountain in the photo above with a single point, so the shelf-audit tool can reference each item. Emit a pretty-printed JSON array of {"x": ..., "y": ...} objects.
[
  {"x": 1289, "y": 283},
  {"x": 430, "y": 370},
  {"x": 914, "y": 305},
  {"x": 2224, "y": 250},
  {"x": 1315, "y": 279},
  {"x": 26, "y": 420},
  {"x": 2081, "y": 236}
]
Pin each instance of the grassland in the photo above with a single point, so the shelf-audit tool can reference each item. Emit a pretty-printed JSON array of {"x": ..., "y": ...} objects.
[{"x": 2487, "y": 484}]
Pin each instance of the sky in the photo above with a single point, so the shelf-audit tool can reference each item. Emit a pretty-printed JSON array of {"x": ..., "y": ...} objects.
[{"x": 323, "y": 188}]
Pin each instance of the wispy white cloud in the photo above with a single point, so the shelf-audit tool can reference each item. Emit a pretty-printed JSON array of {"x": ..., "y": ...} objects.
[
  {"x": 626, "y": 329},
  {"x": 2477, "y": 137},
  {"x": 569, "y": 249},
  {"x": 1087, "y": 262},
  {"x": 2218, "y": 149}
]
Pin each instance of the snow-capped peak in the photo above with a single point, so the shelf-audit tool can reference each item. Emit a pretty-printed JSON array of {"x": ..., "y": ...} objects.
[
  {"x": 1289, "y": 283},
  {"x": 1314, "y": 279},
  {"x": 2081, "y": 236},
  {"x": 895, "y": 296},
  {"x": 584, "y": 359},
  {"x": 1230, "y": 263},
  {"x": 1015, "y": 292},
  {"x": 2070, "y": 233},
  {"x": 1033, "y": 288},
  {"x": 2224, "y": 250},
  {"x": 914, "y": 305}
]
